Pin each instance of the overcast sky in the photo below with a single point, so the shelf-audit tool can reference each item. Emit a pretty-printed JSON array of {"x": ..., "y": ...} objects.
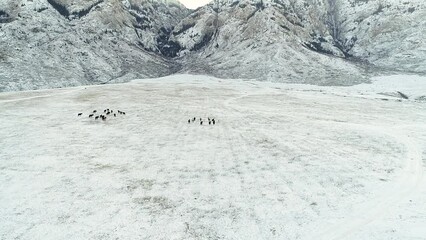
[{"x": 194, "y": 3}]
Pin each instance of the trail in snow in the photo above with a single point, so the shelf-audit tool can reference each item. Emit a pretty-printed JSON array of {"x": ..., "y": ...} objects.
[{"x": 402, "y": 188}]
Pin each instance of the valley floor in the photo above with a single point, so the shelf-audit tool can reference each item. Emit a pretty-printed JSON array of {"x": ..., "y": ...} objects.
[{"x": 282, "y": 162}]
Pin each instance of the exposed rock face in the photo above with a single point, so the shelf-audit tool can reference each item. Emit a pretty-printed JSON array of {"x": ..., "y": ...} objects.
[
  {"x": 154, "y": 22},
  {"x": 74, "y": 8},
  {"x": 389, "y": 34},
  {"x": 56, "y": 43},
  {"x": 270, "y": 40},
  {"x": 9, "y": 10},
  {"x": 280, "y": 39}
]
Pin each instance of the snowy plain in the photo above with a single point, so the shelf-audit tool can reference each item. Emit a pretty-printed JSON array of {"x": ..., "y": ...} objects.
[{"x": 284, "y": 161}]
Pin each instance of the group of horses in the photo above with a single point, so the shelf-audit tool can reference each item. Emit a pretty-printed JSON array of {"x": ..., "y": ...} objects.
[
  {"x": 107, "y": 112},
  {"x": 211, "y": 121}
]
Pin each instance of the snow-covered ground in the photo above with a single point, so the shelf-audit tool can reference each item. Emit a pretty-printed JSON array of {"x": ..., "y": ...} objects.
[{"x": 283, "y": 161}]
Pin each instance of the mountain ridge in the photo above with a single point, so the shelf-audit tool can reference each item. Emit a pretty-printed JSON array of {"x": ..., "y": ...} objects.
[{"x": 58, "y": 43}]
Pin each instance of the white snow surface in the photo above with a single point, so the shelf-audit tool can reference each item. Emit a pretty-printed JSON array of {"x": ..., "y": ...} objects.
[{"x": 284, "y": 161}]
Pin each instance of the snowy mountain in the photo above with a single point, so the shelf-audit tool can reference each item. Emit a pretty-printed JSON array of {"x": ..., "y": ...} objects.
[
  {"x": 56, "y": 43},
  {"x": 308, "y": 41},
  {"x": 386, "y": 33},
  {"x": 271, "y": 40}
]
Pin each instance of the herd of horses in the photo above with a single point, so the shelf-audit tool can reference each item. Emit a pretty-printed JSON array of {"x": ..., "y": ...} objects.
[
  {"x": 211, "y": 121},
  {"x": 107, "y": 112}
]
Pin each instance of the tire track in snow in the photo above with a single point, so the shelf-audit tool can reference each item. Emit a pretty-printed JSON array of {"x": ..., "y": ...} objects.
[
  {"x": 237, "y": 169},
  {"x": 396, "y": 191},
  {"x": 260, "y": 178},
  {"x": 215, "y": 166}
]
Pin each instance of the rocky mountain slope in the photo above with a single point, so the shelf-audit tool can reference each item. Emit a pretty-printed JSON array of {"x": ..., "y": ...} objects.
[
  {"x": 271, "y": 40},
  {"x": 55, "y": 43},
  {"x": 281, "y": 39},
  {"x": 386, "y": 33}
]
